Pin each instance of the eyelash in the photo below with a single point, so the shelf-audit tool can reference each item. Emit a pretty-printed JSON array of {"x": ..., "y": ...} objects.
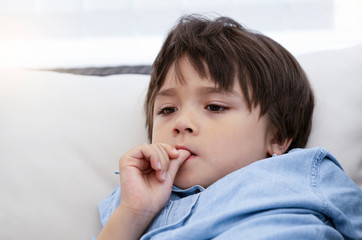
[
  {"x": 210, "y": 107},
  {"x": 167, "y": 111},
  {"x": 221, "y": 109}
]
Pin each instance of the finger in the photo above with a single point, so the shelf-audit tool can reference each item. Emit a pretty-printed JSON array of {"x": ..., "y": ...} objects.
[
  {"x": 143, "y": 157},
  {"x": 155, "y": 156},
  {"x": 177, "y": 163},
  {"x": 171, "y": 150},
  {"x": 163, "y": 162},
  {"x": 163, "y": 156},
  {"x": 168, "y": 152}
]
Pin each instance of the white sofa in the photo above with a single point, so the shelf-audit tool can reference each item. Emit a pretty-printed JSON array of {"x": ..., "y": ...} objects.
[{"x": 61, "y": 136}]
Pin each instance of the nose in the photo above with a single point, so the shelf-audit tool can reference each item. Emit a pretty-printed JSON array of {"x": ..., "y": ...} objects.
[{"x": 186, "y": 123}]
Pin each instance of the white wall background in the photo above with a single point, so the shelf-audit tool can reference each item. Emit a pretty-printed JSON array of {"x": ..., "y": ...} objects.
[{"x": 78, "y": 33}]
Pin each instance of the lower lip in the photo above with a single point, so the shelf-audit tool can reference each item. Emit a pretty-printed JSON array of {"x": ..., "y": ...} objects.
[{"x": 191, "y": 157}]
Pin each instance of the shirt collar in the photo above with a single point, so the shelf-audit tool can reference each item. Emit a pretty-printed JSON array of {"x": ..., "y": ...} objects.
[{"x": 187, "y": 192}]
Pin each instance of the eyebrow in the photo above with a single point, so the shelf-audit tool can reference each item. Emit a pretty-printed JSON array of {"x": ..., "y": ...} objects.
[
  {"x": 202, "y": 91},
  {"x": 167, "y": 92},
  {"x": 214, "y": 90}
]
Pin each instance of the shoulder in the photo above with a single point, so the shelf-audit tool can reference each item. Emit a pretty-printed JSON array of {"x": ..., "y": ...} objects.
[
  {"x": 316, "y": 154},
  {"x": 301, "y": 177},
  {"x": 307, "y": 161},
  {"x": 307, "y": 180},
  {"x": 296, "y": 165},
  {"x": 311, "y": 155},
  {"x": 340, "y": 197}
]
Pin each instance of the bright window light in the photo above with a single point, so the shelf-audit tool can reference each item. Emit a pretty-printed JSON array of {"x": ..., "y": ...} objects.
[{"x": 76, "y": 33}]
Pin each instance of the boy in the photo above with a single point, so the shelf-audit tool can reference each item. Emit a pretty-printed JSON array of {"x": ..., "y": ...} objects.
[{"x": 223, "y": 106}]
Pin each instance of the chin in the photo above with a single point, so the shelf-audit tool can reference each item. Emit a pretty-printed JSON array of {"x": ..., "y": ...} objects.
[{"x": 184, "y": 183}]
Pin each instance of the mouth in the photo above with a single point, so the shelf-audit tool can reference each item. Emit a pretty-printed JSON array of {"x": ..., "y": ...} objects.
[{"x": 193, "y": 155}]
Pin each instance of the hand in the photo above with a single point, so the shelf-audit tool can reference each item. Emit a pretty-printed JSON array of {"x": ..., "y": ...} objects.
[{"x": 147, "y": 173}]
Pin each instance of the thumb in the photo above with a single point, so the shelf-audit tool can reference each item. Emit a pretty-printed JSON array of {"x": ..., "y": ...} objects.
[{"x": 175, "y": 164}]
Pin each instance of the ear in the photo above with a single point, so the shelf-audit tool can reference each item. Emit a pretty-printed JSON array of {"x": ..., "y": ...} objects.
[{"x": 276, "y": 147}]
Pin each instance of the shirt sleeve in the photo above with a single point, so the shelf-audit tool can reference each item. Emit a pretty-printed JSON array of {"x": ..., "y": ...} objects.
[
  {"x": 109, "y": 204},
  {"x": 282, "y": 225},
  {"x": 342, "y": 197},
  {"x": 336, "y": 214}
]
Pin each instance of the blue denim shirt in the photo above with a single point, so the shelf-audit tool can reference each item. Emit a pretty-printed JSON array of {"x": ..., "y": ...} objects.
[{"x": 300, "y": 195}]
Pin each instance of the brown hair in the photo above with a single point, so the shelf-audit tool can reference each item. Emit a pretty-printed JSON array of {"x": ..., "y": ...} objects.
[{"x": 223, "y": 49}]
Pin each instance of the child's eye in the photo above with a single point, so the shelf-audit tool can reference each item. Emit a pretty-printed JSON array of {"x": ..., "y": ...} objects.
[
  {"x": 167, "y": 110},
  {"x": 215, "y": 108}
]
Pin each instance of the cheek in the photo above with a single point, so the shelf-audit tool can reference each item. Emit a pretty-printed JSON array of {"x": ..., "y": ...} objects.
[
  {"x": 158, "y": 131},
  {"x": 155, "y": 135},
  {"x": 154, "y": 131},
  {"x": 237, "y": 131},
  {"x": 222, "y": 137},
  {"x": 232, "y": 128}
]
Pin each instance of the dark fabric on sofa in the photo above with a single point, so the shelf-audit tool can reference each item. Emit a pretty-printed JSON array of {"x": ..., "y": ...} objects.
[{"x": 106, "y": 71}]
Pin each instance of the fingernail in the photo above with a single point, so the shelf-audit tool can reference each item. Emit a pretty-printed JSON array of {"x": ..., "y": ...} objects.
[
  {"x": 164, "y": 175},
  {"x": 175, "y": 151},
  {"x": 158, "y": 165}
]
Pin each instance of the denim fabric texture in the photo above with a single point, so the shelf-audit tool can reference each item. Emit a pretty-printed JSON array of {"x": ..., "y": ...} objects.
[{"x": 303, "y": 194}]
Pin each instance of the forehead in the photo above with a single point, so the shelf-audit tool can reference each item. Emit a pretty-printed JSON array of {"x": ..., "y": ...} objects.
[
  {"x": 183, "y": 72},
  {"x": 192, "y": 82}
]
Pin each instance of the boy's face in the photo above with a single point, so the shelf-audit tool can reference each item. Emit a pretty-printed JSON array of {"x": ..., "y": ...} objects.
[{"x": 216, "y": 127}]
